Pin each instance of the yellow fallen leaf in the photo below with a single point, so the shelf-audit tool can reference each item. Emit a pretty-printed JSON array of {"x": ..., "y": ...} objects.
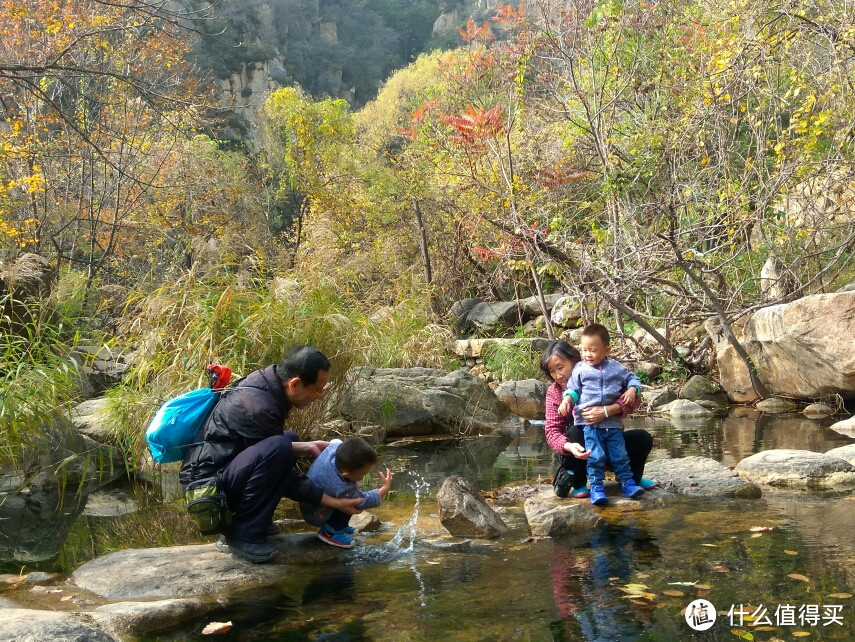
[
  {"x": 756, "y": 534},
  {"x": 800, "y": 578},
  {"x": 613, "y": 579},
  {"x": 739, "y": 632},
  {"x": 765, "y": 627},
  {"x": 673, "y": 593},
  {"x": 643, "y": 576},
  {"x": 710, "y": 545},
  {"x": 791, "y": 552},
  {"x": 703, "y": 587},
  {"x": 638, "y": 596},
  {"x": 633, "y": 588},
  {"x": 761, "y": 529},
  {"x": 215, "y": 628},
  {"x": 718, "y": 568},
  {"x": 840, "y": 596},
  {"x": 800, "y": 634}
]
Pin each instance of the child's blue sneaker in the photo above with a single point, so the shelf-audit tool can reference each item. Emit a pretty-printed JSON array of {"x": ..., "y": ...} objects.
[
  {"x": 350, "y": 530},
  {"x": 648, "y": 484},
  {"x": 598, "y": 496},
  {"x": 631, "y": 489},
  {"x": 335, "y": 538}
]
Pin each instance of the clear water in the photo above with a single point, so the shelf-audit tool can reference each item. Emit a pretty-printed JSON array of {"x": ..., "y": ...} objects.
[{"x": 629, "y": 581}]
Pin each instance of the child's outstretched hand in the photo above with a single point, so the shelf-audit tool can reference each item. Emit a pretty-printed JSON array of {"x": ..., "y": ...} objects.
[
  {"x": 564, "y": 408},
  {"x": 387, "y": 482},
  {"x": 629, "y": 396}
]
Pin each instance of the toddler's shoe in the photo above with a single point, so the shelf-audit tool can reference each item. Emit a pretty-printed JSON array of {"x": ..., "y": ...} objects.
[
  {"x": 335, "y": 538},
  {"x": 350, "y": 530},
  {"x": 598, "y": 496},
  {"x": 631, "y": 489},
  {"x": 580, "y": 493},
  {"x": 648, "y": 484}
]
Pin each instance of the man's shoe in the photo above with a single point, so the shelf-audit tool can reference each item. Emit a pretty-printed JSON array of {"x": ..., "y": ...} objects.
[
  {"x": 335, "y": 538},
  {"x": 648, "y": 484},
  {"x": 249, "y": 551},
  {"x": 631, "y": 489},
  {"x": 598, "y": 496},
  {"x": 580, "y": 493}
]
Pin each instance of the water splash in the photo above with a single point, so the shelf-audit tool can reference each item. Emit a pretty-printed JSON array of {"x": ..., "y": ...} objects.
[{"x": 401, "y": 546}]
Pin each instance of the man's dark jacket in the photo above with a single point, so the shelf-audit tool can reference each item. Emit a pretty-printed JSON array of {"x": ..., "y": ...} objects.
[{"x": 253, "y": 410}]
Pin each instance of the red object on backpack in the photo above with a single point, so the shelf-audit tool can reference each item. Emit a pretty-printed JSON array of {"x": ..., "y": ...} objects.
[{"x": 219, "y": 375}]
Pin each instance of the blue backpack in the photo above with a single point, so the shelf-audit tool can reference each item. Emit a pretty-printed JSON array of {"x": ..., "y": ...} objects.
[{"x": 177, "y": 421}]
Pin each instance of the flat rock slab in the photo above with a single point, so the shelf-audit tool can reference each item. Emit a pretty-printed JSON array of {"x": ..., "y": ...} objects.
[
  {"x": 797, "y": 469},
  {"x": 193, "y": 571},
  {"x": 700, "y": 477},
  {"x": 139, "y": 618},
  {"x": 32, "y": 625},
  {"x": 548, "y": 515}
]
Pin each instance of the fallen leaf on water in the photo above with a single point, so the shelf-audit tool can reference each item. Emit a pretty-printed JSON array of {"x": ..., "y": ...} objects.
[
  {"x": 800, "y": 634},
  {"x": 718, "y": 568},
  {"x": 710, "y": 545},
  {"x": 65, "y": 598},
  {"x": 643, "y": 576},
  {"x": 840, "y": 596},
  {"x": 432, "y": 562},
  {"x": 634, "y": 588},
  {"x": 791, "y": 552},
  {"x": 756, "y": 534},
  {"x": 703, "y": 587},
  {"x": 738, "y": 632},
  {"x": 800, "y": 578},
  {"x": 215, "y": 628},
  {"x": 673, "y": 593},
  {"x": 765, "y": 628},
  {"x": 640, "y": 603},
  {"x": 613, "y": 579},
  {"x": 681, "y": 583},
  {"x": 637, "y": 596},
  {"x": 761, "y": 529}
]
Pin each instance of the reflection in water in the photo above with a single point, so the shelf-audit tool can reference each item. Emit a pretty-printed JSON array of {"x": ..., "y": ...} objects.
[{"x": 584, "y": 577}]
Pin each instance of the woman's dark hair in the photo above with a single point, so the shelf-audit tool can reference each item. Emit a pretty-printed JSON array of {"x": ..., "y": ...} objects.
[
  {"x": 560, "y": 348},
  {"x": 304, "y": 362},
  {"x": 354, "y": 453}
]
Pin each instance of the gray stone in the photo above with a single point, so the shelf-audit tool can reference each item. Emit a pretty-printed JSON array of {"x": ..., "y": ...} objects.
[
  {"x": 109, "y": 503},
  {"x": 365, "y": 522},
  {"x": 845, "y": 427},
  {"x": 700, "y": 388},
  {"x": 818, "y": 410},
  {"x": 684, "y": 409},
  {"x": 573, "y": 336},
  {"x": 567, "y": 312},
  {"x": 649, "y": 369},
  {"x": 548, "y": 515},
  {"x": 531, "y": 305},
  {"x": 659, "y": 397},
  {"x": 526, "y": 398},
  {"x": 475, "y": 348},
  {"x": 491, "y": 316},
  {"x": 90, "y": 418},
  {"x": 776, "y": 405},
  {"x": 139, "y": 618},
  {"x": 700, "y": 477},
  {"x": 464, "y": 513},
  {"x": 460, "y": 309},
  {"x": 849, "y": 287},
  {"x": 846, "y": 453},
  {"x": 193, "y": 571},
  {"x": 797, "y": 469},
  {"x": 31, "y": 625},
  {"x": 421, "y": 401},
  {"x": 646, "y": 341}
]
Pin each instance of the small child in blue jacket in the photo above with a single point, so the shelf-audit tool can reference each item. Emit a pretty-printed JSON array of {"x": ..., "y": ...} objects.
[
  {"x": 599, "y": 381},
  {"x": 338, "y": 470}
]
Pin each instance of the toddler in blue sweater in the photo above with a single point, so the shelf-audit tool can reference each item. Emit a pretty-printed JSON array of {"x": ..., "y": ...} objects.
[
  {"x": 598, "y": 380},
  {"x": 337, "y": 471}
]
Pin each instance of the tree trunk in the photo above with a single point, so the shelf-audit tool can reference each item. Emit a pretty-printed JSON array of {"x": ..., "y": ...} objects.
[{"x": 423, "y": 245}]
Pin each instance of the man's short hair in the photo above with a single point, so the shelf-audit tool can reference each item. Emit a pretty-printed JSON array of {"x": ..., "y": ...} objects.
[
  {"x": 304, "y": 362},
  {"x": 597, "y": 330},
  {"x": 354, "y": 453}
]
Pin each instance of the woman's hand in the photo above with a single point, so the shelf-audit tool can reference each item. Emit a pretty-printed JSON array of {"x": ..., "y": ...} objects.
[{"x": 577, "y": 450}]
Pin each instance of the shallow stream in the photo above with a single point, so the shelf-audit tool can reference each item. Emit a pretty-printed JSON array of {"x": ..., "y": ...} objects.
[{"x": 781, "y": 567}]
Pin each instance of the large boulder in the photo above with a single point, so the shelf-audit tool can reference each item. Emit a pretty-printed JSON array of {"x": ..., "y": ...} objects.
[
  {"x": 33, "y": 625},
  {"x": 29, "y": 280},
  {"x": 700, "y": 477},
  {"x": 802, "y": 349},
  {"x": 464, "y": 513},
  {"x": 421, "y": 401},
  {"x": 526, "y": 398},
  {"x": 797, "y": 469},
  {"x": 844, "y": 427},
  {"x": 488, "y": 317},
  {"x": 140, "y": 618}
]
